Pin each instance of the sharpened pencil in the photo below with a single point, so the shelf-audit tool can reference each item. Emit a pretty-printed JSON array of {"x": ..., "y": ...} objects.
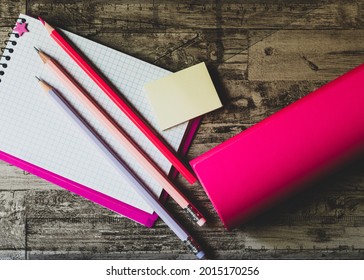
[
  {"x": 128, "y": 143},
  {"x": 121, "y": 103},
  {"x": 123, "y": 169}
]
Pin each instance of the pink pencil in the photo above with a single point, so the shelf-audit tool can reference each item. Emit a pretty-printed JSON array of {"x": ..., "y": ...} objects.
[
  {"x": 123, "y": 138},
  {"x": 128, "y": 111}
]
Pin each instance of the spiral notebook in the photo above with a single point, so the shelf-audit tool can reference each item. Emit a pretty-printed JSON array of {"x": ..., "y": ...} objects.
[{"x": 37, "y": 137}]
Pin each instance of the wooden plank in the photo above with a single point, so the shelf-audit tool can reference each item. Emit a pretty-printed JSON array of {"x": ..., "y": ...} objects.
[
  {"x": 55, "y": 238},
  {"x": 175, "y": 51},
  {"x": 9, "y": 12},
  {"x": 213, "y": 48},
  {"x": 61, "y": 223},
  {"x": 171, "y": 15},
  {"x": 61, "y": 204},
  {"x": 156, "y": 48},
  {"x": 306, "y": 55},
  {"x": 12, "y": 223},
  {"x": 13, "y": 178},
  {"x": 98, "y": 237},
  {"x": 12, "y": 254},
  {"x": 290, "y": 254}
]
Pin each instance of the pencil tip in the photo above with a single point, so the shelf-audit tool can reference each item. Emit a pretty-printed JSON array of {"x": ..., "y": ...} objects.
[
  {"x": 41, "y": 20},
  {"x": 36, "y": 49},
  {"x": 38, "y": 79}
]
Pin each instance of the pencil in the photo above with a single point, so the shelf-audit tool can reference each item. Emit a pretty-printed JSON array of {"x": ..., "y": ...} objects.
[
  {"x": 123, "y": 169},
  {"x": 122, "y": 104},
  {"x": 124, "y": 139}
]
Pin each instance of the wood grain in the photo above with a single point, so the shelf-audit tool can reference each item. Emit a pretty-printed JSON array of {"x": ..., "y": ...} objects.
[
  {"x": 183, "y": 15},
  {"x": 13, "y": 178},
  {"x": 262, "y": 56},
  {"x": 12, "y": 224},
  {"x": 9, "y": 11},
  {"x": 306, "y": 55}
]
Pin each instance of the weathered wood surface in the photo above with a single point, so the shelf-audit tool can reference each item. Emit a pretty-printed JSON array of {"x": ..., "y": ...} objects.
[{"x": 263, "y": 55}]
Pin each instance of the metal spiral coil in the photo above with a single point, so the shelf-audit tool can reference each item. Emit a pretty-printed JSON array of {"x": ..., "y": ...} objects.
[{"x": 8, "y": 49}]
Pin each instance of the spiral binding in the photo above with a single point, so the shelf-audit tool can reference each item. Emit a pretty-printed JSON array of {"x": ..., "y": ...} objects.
[{"x": 8, "y": 50}]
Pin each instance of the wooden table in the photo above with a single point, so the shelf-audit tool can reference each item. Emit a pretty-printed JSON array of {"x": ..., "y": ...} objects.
[{"x": 262, "y": 56}]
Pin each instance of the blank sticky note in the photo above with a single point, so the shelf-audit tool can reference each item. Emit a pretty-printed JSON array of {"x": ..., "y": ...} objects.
[{"x": 182, "y": 96}]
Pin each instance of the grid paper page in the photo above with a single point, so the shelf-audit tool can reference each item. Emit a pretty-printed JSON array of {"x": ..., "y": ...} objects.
[{"x": 34, "y": 129}]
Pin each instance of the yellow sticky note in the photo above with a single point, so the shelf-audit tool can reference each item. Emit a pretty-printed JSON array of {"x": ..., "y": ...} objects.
[{"x": 182, "y": 96}]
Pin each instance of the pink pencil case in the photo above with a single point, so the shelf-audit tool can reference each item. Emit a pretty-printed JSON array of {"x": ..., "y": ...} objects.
[{"x": 263, "y": 164}]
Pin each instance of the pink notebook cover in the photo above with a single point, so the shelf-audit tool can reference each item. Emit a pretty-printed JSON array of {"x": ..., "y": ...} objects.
[
  {"x": 113, "y": 204},
  {"x": 268, "y": 161}
]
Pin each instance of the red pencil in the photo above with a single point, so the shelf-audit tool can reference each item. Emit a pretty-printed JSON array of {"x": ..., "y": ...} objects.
[{"x": 128, "y": 111}]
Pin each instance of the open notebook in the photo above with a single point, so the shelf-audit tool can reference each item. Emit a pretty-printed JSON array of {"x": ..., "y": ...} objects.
[{"x": 37, "y": 137}]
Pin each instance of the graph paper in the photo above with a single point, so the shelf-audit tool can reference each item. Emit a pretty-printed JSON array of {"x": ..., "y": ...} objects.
[{"x": 33, "y": 129}]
